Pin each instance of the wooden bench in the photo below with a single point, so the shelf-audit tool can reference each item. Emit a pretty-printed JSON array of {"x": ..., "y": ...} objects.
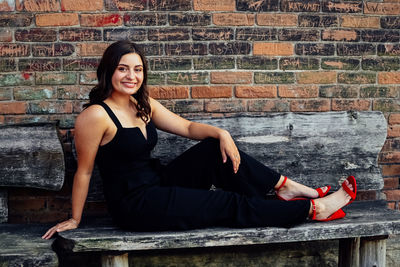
[
  {"x": 31, "y": 156},
  {"x": 313, "y": 148}
]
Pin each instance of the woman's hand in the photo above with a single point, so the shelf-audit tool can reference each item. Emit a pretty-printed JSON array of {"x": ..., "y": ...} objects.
[
  {"x": 60, "y": 227},
  {"x": 229, "y": 149}
]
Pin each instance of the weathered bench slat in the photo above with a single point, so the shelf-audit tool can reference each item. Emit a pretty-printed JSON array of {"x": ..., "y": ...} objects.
[
  {"x": 362, "y": 220},
  {"x": 312, "y": 148},
  {"x": 21, "y": 245},
  {"x": 31, "y": 156}
]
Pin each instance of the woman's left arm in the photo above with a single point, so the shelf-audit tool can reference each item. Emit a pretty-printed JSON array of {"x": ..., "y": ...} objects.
[{"x": 170, "y": 122}]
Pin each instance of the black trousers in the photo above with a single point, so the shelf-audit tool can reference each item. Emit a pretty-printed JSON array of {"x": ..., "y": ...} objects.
[{"x": 182, "y": 199}]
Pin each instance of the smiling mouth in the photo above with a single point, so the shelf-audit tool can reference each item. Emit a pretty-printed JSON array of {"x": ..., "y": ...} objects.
[{"x": 129, "y": 84}]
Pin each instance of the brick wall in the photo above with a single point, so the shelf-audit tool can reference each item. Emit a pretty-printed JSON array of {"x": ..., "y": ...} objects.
[{"x": 205, "y": 56}]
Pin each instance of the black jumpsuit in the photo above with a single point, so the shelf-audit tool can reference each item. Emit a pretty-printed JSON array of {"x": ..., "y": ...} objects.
[{"x": 143, "y": 195}]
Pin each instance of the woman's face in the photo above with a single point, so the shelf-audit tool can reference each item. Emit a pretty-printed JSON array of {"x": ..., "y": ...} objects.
[{"x": 128, "y": 76}]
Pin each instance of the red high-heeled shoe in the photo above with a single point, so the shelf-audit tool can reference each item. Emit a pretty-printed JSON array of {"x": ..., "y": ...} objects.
[
  {"x": 334, "y": 216},
  {"x": 352, "y": 193},
  {"x": 321, "y": 193}
]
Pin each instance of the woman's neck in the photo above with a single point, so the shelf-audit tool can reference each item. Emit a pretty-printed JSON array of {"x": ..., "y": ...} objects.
[{"x": 121, "y": 101}]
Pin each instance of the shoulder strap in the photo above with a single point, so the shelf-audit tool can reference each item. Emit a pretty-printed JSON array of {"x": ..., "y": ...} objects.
[{"x": 111, "y": 114}]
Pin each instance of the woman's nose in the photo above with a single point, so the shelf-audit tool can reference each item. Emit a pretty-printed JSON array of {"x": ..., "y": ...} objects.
[{"x": 131, "y": 74}]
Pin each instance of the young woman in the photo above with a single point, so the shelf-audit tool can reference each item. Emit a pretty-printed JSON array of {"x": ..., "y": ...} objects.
[{"x": 117, "y": 130}]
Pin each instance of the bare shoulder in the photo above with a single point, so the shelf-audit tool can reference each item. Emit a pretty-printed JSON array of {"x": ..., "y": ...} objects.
[
  {"x": 154, "y": 104},
  {"x": 92, "y": 116}
]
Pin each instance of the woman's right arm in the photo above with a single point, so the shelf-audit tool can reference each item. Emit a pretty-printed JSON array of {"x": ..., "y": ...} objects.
[{"x": 90, "y": 127}]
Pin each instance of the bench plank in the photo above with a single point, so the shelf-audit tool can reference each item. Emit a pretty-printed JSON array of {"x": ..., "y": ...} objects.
[
  {"x": 363, "y": 219},
  {"x": 3, "y": 205},
  {"x": 312, "y": 148},
  {"x": 22, "y": 245},
  {"x": 31, "y": 156}
]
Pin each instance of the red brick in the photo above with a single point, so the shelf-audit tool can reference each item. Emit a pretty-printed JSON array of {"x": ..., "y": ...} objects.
[
  {"x": 38, "y": 217},
  {"x": 57, "y": 19},
  {"x": 100, "y": 20},
  {"x": 124, "y": 5},
  {"x": 391, "y": 170},
  {"x": 225, "y": 106},
  {"x": 80, "y": 34},
  {"x": 351, "y": 21},
  {"x": 347, "y": 104},
  {"x": 310, "y": 105},
  {"x": 35, "y": 5},
  {"x": 8, "y": 20},
  {"x": 386, "y": 105},
  {"x": 391, "y": 205},
  {"x": 340, "y": 7},
  {"x": 52, "y": 50},
  {"x": 366, "y": 195},
  {"x": 50, "y": 107},
  {"x": 91, "y": 49},
  {"x": 389, "y": 77},
  {"x": 73, "y": 92},
  {"x": 268, "y": 105},
  {"x": 26, "y": 205},
  {"x": 340, "y": 35},
  {"x": 168, "y": 92},
  {"x": 59, "y": 203},
  {"x": 394, "y": 118},
  {"x": 273, "y": 49},
  {"x": 391, "y": 183},
  {"x": 6, "y": 35},
  {"x": 252, "y": 91},
  {"x": 393, "y": 131},
  {"x": 316, "y": 77},
  {"x": 391, "y": 145},
  {"x": 264, "y": 19},
  {"x": 14, "y": 50},
  {"x": 87, "y": 5},
  {"x": 231, "y": 77},
  {"x": 6, "y": 5},
  {"x": 233, "y": 19},
  {"x": 211, "y": 91},
  {"x": 382, "y": 8},
  {"x": 12, "y": 107},
  {"x": 88, "y": 78},
  {"x": 212, "y": 5},
  {"x": 294, "y": 91},
  {"x": 36, "y": 35},
  {"x": 389, "y": 157},
  {"x": 392, "y": 195}
]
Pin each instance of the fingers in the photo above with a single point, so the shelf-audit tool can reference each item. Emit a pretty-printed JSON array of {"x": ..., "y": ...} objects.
[
  {"x": 60, "y": 227},
  {"x": 229, "y": 149},
  {"x": 235, "y": 162},
  {"x": 224, "y": 157}
]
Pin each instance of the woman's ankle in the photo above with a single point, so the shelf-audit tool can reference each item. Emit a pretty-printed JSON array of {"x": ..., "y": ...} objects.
[{"x": 282, "y": 181}]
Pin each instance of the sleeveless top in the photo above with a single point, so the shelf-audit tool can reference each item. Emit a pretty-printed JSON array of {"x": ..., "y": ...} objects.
[{"x": 124, "y": 163}]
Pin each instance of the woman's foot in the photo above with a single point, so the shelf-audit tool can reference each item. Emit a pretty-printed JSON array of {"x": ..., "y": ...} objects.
[
  {"x": 287, "y": 189},
  {"x": 326, "y": 206}
]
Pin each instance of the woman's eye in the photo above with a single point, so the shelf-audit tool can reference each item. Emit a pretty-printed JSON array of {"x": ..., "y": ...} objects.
[
  {"x": 139, "y": 69},
  {"x": 122, "y": 69}
]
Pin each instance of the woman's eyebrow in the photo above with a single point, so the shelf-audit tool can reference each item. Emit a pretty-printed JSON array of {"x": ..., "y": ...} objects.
[{"x": 125, "y": 65}]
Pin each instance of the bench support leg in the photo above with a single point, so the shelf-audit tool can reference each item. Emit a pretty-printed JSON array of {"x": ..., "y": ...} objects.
[
  {"x": 373, "y": 251},
  {"x": 108, "y": 260},
  {"x": 349, "y": 252},
  {"x": 3, "y": 205},
  {"x": 364, "y": 252}
]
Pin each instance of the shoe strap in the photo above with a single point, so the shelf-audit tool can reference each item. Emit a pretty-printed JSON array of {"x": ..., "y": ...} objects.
[
  {"x": 314, "y": 210},
  {"x": 351, "y": 193},
  {"x": 282, "y": 184}
]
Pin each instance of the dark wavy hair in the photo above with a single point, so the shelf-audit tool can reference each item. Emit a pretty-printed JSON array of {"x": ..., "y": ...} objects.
[{"x": 108, "y": 64}]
